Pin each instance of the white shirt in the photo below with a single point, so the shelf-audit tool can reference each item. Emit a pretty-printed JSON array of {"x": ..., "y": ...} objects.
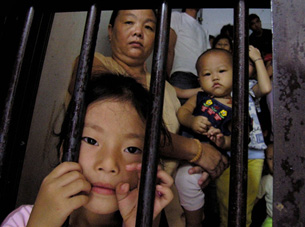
[{"x": 192, "y": 41}]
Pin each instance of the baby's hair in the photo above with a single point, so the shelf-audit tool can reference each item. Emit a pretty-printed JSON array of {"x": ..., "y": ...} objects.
[
  {"x": 214, "y": 50},
  {"x": 117, "y": 88}
]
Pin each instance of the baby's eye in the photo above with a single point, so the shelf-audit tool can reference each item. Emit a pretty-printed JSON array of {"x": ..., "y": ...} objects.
[
  {"x": 207, "y": 74},
  {"x": 133, "y": 150},
  {"x": 90, "y": 141},
  {"x": 222, "y": 71}
]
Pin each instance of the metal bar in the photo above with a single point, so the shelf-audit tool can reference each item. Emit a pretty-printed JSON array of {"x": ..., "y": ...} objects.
[
  {"x": 152, "y": 136},
  {"x": 288, "y": 112},
  {"x": 239, "y": 158},
  {"x": 72, "y": 142},
  {"x": 10, "y": 99}
]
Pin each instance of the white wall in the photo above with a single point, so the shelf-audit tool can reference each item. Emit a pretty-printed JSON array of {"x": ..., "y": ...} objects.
[{"x": 214, "y": 19}]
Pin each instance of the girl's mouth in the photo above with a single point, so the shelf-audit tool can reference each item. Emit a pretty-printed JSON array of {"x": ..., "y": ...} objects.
[{"x": 104, "y": 189}]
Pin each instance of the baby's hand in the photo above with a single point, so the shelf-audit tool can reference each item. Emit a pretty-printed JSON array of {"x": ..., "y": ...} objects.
[
  {"x": 128, "y": 200},
  {"x": 62, "y": 191},
  {"x": 200, "y": 125},
  {"x": 216, "y": 136},
  {"x": 254, "y": 53}
]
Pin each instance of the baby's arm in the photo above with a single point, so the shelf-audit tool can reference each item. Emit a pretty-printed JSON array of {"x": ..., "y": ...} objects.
[
  {"x": 198, "y": 124},
  {"x": 217, "y": 137},
  {"x": 263, "y": 86},
  {"x": 60, "y": 194},
  {"x": 128, "y": 200}
]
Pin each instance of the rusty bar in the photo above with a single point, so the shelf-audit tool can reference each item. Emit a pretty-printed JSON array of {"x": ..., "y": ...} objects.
[
  {"x": 152, "y": 136},
  {"x": 288, "y": 114},
  {"x": 239, "y": 158},
  {"x": 10, "y": 99},
  {"x": 72, "y": 142}
]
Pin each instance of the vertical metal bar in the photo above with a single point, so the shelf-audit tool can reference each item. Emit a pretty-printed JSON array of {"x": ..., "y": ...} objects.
[
  {"x": 72, "y": 142},
  {"x": 288, "y": 115},
  {"x": 152, "y": 136},
  {"x": 9, "y": 103},
  {"x": 239, "y": 159}
]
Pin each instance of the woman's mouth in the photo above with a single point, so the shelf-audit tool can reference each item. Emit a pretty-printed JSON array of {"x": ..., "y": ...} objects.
[
  {"x": 136, "y": 44},
  {"x": 104, "y": 189}
]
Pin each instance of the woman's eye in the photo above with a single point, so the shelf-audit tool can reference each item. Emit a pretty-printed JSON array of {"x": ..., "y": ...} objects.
[
  {"x": 128, "y": 22},
  {"x": 133, "y": 150},
  {"x": 90, "y": 141},
  {"x": 149, "y": 27}
]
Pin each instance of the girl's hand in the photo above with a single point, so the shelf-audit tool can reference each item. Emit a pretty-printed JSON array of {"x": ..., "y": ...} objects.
[
  {"x": 128, "y": 200},
  {"x": 200, "y": 124},
  {"x": 254, "y": 53},
  {"x": 62, "y": 191}
]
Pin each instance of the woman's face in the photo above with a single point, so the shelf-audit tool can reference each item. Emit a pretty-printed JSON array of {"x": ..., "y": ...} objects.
[
  {"x": 132, "y": 36},
  {"x": 113, "y": 137}
]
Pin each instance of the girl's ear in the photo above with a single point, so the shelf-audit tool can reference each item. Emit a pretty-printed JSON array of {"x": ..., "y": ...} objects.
[{"x": 110, "y": 32}]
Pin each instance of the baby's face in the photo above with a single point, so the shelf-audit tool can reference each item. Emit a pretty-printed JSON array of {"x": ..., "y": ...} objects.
[
  {"x": 113, "y": 137},
  {"x": 215, "y": 74}
]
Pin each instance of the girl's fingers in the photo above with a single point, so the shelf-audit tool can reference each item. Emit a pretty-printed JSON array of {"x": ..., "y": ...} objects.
[
  {"x": 76, "y": 187},
  {"x": 64, "y": 168},
  {"x": 122, "y": 190},
  {"x": 165, "y": 179}
]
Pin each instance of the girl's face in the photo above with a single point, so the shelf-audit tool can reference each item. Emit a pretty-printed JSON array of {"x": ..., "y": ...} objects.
[
  {"x": 113, "y": 136},
  {"x": 215, "y": 74},
  {"x": 132, "y": 36},
  {"x": 223, "y": 44}
]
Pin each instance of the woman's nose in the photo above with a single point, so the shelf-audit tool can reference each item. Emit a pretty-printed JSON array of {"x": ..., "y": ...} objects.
[{"x": 138, "y": 31}]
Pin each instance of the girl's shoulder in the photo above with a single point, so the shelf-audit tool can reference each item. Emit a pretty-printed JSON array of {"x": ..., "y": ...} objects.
[{"x": 18, "y": 217}]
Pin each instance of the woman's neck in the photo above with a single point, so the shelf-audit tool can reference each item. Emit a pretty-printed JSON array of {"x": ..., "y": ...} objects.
[
  {"x": 84, "y": 218},
  {"x": 134, "y": 70}
]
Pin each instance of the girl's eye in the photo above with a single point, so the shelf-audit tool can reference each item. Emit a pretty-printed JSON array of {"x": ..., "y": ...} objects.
[
  {"x": 133, "y": 150},
  {"x": 90, "y": 141}
]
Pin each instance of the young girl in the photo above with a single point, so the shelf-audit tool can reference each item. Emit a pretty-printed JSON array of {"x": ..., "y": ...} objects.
[
  {"x": 208, "y": 114},
  {"x": 102, "y": 188}
]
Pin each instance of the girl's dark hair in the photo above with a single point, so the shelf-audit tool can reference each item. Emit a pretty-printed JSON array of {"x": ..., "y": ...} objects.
[
  {"x": 223, "y": 36},
  {"x": 116, "y": 88},
  {"x": 115, "y": 14}
]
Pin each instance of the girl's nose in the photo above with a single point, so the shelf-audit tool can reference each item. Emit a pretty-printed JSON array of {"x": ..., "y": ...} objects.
[{"x": 108, "y": 163}]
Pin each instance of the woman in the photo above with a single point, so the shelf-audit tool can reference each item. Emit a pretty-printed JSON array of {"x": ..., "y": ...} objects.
[{"x": 131, "y": 35}]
